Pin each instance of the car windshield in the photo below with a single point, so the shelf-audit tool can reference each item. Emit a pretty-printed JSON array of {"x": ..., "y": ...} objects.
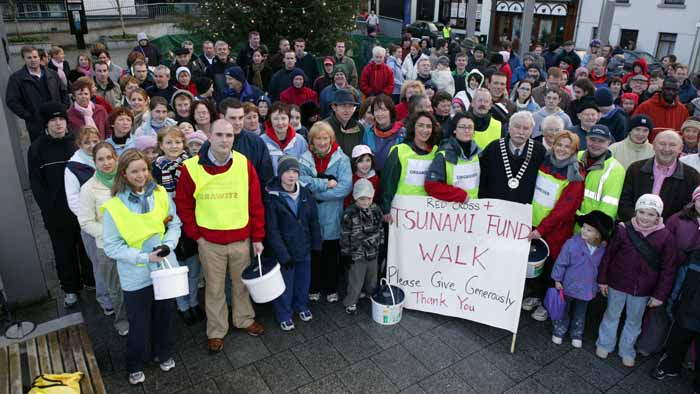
[{"x": 432, "y": 27}]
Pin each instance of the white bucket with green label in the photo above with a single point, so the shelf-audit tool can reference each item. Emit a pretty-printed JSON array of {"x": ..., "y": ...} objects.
[{"x": 387, "y": 304}]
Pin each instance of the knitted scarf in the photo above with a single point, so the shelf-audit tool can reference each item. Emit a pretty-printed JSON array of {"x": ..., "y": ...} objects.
[
  {"x": 645, "y": 231},
  {"x": 106, "y": 178},
  {"x": 256, "y": 78},
  {"x": 322, "y": 159},
  {"x": 573, "y": 172},
  {"x": 86, "y": 112},
  {"x": 60, "y": 71}
]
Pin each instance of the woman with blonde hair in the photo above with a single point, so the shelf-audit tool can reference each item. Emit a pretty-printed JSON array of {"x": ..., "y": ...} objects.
[
  {"x": 558, "y": 195},
  {"x": 141, "y": 230},
  {"x": 326, "y": 171},
  {"x": 139, "y": 103},
  {"x": 408, "y": 90}
]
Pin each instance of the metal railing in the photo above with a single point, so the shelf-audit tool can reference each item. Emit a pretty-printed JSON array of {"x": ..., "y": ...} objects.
[{"x": 53, "y": 10}]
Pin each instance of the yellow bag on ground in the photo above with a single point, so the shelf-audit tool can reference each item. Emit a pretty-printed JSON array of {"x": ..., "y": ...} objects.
[{"x": 62, "y": 383}]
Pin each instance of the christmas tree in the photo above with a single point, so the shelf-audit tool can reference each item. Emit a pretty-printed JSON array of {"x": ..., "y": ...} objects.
[{"x": 320, "y": 22}]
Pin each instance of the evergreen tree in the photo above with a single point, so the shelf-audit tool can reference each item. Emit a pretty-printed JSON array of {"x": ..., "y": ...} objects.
[{"x": 320, "y": 22}]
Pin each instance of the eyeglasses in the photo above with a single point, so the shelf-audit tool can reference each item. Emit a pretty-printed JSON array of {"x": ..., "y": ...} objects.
[{"x": 465, "y": 127}]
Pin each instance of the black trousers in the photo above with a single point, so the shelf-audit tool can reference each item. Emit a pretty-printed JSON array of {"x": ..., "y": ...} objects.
[
  {"x": 677, "y": 345},
  {"x": 148, "y": 319},
  {"x": 537, "y": 287},
  {"x": 324, "y": 268},
  {"x": 72, "y": 263}
]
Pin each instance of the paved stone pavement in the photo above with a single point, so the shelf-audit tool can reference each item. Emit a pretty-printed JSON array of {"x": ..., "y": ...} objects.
[{"x": 336, "y": 353}]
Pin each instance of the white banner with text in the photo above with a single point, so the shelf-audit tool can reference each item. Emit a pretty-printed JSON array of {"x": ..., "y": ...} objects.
[{"x": 466, "y": 260}]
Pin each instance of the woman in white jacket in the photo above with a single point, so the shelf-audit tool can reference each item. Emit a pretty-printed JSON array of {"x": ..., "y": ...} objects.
[
  {"x": 95, "y": 192},
  {"x": 409, "y": 67},
  {"x": 79, "y": 169}
]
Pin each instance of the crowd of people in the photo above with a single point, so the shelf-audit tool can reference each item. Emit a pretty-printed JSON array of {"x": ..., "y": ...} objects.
[{"x": 212, "y": 161}]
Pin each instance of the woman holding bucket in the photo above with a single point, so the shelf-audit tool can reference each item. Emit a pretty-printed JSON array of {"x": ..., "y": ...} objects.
[
  {"x": 558, "y": 194},
  {"x": 141, "y": 229}
]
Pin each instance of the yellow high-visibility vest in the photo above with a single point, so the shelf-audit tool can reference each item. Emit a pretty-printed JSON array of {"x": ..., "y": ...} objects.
[
  {"x": 492, "y": 133},
  {"x": 414, "y": 168},
  {"x": 134, "y": 227},
  {"x": 221, "y": 199}
]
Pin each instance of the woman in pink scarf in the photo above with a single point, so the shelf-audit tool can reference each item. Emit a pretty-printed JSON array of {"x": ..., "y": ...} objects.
[
  {"x": 84, "y": 112},
  {"x": 59, "y": 64},
  {"x": 82, "y": 69}
]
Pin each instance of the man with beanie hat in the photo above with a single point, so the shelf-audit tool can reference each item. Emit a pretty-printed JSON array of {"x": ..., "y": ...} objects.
[
  {"x": 663, "y": 175},
  {"x": 239, "y": 88},
  {"x": 610, "y": 114},
  {"x": 604, "y": 174},
  {"x": 292, "y": 230},
  {"x": 298, "y": 93},
  {"x": 183, "y": 58},
  {"x": 47, "y": 160},
  {"x": 152, "y": 53},
  {"x": 362, "y": 234},
  {"x": 636, "y": 145},
  {"x": 588, "y": 115},
  {"x": 664, "y": 108}
]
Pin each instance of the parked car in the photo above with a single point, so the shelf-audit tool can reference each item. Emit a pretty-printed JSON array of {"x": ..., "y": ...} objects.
[
  {"x": 421, "y": 29},
  {"x": 632, "y": 56}
]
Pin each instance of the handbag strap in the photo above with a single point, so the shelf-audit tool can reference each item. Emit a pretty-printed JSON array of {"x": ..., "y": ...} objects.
[{"x": 643, "y": 247}]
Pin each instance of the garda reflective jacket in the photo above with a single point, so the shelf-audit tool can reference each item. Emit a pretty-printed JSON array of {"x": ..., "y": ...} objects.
[
  {"x": 603, "y": 186},
  {"x": 492, "y": 133},
  {"x": 548, "y": 189},
  {"x": 221, "y": 199},
  {"x": 414, "y": 168},
  {"x": 136, "y": 228}
]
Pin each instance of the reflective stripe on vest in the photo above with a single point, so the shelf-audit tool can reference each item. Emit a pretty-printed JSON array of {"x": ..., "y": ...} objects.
[
  {"x": 221, "y": 199},
  {"x": 464, "y": 175},
  {"x": 492, "y": 133},
  {"x": 610, "y": 177},
  {"x": 548, "y": 189},
  {"x": 136, "y": 228},
  {"x": 414, "y": 168}
]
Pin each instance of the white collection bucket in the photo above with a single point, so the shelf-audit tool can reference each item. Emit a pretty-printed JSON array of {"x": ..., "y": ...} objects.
[
  {"x": 388, "y": 315},
  {"x": 170, "y": 282},
  {"x": 536, "y": 266},
  {"x": 265, "y": 288}
]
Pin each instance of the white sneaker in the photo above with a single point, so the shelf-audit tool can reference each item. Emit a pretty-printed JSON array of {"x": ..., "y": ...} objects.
[
  {"x": 70, "y": 300},
  {"x": 628, "y": 362},
  {"x": 540, "y": 314},
  {"x": 137, "y": 377},
  {"x": 314, "y": 296},
  {"x": 577, "y": 343},
  {"x": 167, "y": 365},
  {"x": 601, "y": 353},
  {"x": 333, "y": 297},
  {"x": 531, "y": 303},
  {"x": 123, "y": 332},
  {"x": 556, "y": 340}
]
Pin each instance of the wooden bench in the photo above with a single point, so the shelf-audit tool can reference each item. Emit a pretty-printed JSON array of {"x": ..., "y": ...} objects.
[{"x": 58, "y": 346}]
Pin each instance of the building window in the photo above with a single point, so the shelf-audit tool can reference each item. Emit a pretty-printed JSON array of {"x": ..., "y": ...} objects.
[
  {"x": 594, "y": 33},
  {"x": 628, "y": 39},
  {"x": 622, "y": 1},
  {"x": 674, "y": 2},
  {"x": 666, "y": 45}
]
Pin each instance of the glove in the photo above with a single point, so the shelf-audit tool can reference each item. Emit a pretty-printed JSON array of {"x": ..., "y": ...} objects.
[{"x": 163, "y": 250}]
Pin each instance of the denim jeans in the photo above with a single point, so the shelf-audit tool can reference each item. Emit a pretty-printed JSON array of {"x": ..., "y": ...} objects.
[
  {"x": 296, "y": 292},
  {"x": 607, "y": 332},
  {"x": 148, "y": 319},
  {"x": 195, "y": 272},
  {"x": 574, "y": 318}
]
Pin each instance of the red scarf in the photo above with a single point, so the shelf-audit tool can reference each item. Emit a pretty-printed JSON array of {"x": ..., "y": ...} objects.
[
  {"x": 386, "y": 134},
  {"x": 322, "y": 162},
  {"x": 270, "y": 132}
]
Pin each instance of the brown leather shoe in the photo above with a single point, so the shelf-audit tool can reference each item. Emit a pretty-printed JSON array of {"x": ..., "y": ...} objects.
[
  {"x": 256, "y": 329},
  {"x": 216, "y": 345}
]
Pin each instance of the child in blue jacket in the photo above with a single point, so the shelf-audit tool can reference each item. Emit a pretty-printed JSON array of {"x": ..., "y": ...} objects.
[
  {"x": 292, "y": 230},
  {"x": 576, "y": 271}
]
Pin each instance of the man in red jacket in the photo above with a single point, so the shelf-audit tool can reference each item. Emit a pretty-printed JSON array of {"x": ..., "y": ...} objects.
[
  {"x": 219, "y": 202},
  {"x": 377, "y": 77},
  {"x": 665, "y": 109}
]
